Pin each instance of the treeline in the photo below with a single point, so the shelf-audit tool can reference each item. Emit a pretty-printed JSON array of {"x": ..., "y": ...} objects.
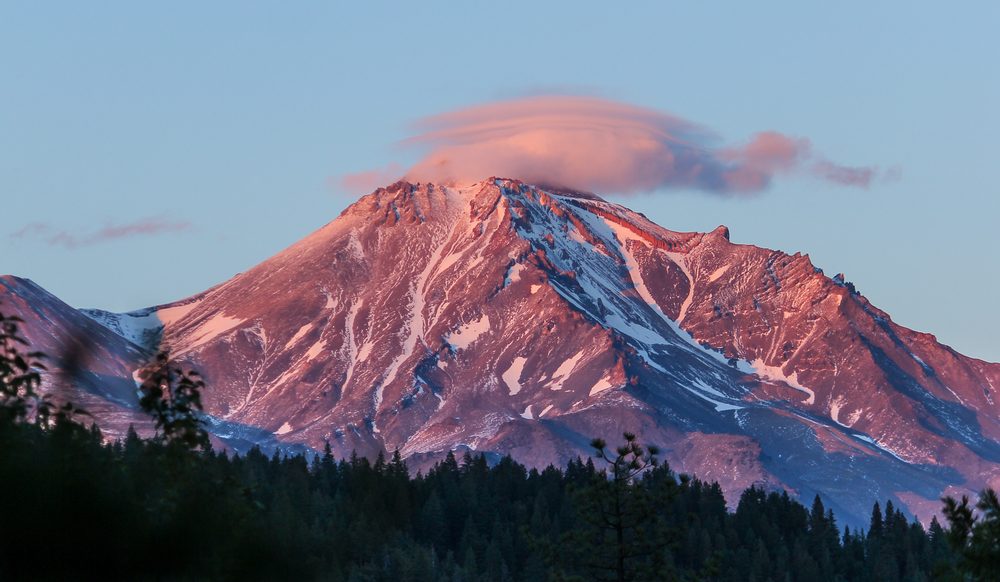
[{"x": 73, "y": 507}]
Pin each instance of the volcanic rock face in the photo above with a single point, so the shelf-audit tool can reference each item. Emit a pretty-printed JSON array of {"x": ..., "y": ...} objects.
[{"x": 516, "y": 320}]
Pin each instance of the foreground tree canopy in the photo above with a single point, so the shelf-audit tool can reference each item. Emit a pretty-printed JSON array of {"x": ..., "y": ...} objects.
[{"x": 73, "y": 506}]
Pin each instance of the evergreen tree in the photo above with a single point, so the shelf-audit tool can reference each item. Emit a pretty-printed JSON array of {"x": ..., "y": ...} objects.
[
  {"x": 976, "y": 538},
  {"x": 623, "y": 537}
]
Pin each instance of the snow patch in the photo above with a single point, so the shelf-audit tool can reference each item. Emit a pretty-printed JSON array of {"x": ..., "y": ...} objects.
[
  {"x": 212, "y": 329},
  {"x": 133, "y": 327},
  {"x": 535, "y": 288},
  {"x": 364, "y": 351},
  {"x": 700, "y": 388},
  {"x": 512, "y": 376},
  {"x": 285, "y": 429},
  {"x": 331, "y": 301},
  {"x": 298, "y": 335},
  {"x": 776, "y": 374},
  {"x": 575, "y": 236},
  {"x": 639, "y": 332},
  {"x": 563, "y": 371},
  {"x": 718, "y": 273},
  {"x": 701, "y": 385},
  {"x": 354, "y": 247},
  {"x": 527, "y": 413},
  {"x": 514, "y": 275},
  {"x": 681, "y": 262},
  {"x": 315, "y": 350},
  {"x": 169, "y": 315},
  {"x": 141, "y": 327},
  {"x": 835, "y": 407},
  {"x": 464, "y": 336},
  {"x": 881, "y": 446},
  {"x": 353, "y": 355},
  {"x": 602, "y": 385},
  {"x": 449, "y": 261}
]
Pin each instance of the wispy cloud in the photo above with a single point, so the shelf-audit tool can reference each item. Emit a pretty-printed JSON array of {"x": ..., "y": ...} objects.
[
  {"x": 72, "y": 240},
  {"x": 845, "y": 175},
  {"x": 596, "y": 144},
  {"x": 363, "y": 182}
]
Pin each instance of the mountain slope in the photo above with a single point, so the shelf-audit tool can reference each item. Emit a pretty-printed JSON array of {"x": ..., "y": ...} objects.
[{"x": 513, "y": 319}]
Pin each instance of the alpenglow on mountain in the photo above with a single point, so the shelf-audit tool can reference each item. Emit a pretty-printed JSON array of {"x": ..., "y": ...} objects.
[{"x": 512, "y": 319}]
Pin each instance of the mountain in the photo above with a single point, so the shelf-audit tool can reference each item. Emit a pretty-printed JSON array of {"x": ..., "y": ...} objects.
[
  {"x": 513, "y": 319},
  {"x": 91, "y": 360}
]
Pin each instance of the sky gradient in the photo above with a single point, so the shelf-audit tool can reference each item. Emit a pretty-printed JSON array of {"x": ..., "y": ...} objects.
[{"x": 149, "y": 152}]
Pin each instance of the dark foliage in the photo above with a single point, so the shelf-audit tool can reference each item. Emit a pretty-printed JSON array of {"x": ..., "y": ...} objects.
[
  {"x": 74, "y": 508},
  {"x": 20, "y": 374},
  {"x": 172, "y": 396},
  {"x": 619, "y": 533},
  {"x": 976, "y": 538}
]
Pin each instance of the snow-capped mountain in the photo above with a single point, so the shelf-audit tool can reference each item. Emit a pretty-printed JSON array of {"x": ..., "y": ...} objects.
[{"x": 513, "y": 319}]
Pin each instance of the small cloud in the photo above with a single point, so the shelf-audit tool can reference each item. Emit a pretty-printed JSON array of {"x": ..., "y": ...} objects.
[
  {"x": 364, "y": 182},
  {"x": 30, "y": 230},
  {"x": 596, "y": 144},
  {"x": 770, "y": 152},
  {"x": 860, "y": 177},
  {"x": 70, "y": 240},
  {"x": 844, "y": 175}
]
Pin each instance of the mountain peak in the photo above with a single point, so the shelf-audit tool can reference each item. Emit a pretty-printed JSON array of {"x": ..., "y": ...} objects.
[
  {"x": 406, "y": 187},
  {"x": 721, "y": 230}
]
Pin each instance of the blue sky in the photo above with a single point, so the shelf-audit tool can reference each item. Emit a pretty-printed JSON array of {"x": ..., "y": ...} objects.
[{"x": 240, "y": 118}]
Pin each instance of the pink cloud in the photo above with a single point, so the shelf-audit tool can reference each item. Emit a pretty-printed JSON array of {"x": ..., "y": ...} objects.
[
  {"x": 64, "y": 238},
  {"x": 595, "y": 144},
  {"x": 363, "y": 182},
  {"x": 770, "y": 151}
]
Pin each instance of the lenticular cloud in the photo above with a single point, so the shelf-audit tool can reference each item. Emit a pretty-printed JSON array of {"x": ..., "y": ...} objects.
[{"x": 595, "y": 144}]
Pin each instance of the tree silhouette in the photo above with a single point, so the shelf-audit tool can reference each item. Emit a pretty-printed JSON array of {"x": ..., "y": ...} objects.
[
  {"x": 20, "y": 375},
  {"x": 622, "y": 537},
  {"x": 21, "y": 398},
  {"x": 172, "y": 396},
  {"x": 976, "y": 538}
]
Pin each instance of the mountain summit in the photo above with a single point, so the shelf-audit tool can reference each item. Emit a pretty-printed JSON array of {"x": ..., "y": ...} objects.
[{"x": 513, "y": 319}]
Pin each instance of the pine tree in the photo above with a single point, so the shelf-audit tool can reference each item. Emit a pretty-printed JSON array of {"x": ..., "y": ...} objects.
[
  {"x": 624, "y": 538},
  {"x": 976, "y": 538},
  {"x": 876, "y": 527}
]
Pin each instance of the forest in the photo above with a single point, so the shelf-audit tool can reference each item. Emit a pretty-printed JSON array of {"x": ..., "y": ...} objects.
[{"x": 74, "y": 506}]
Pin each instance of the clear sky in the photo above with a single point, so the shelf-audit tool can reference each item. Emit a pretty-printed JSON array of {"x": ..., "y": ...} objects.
[{"x": 150, "y": 150}]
